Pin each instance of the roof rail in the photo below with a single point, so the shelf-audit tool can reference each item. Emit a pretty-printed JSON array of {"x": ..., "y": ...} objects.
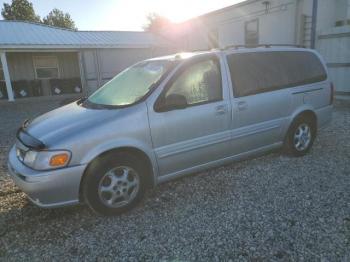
[{"x": 262, "y": 45}]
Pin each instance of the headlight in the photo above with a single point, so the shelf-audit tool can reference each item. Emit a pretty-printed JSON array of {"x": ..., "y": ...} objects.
[{"x": 44, "y": 160}]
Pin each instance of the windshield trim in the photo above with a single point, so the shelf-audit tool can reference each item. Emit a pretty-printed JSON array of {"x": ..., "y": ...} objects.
[{"x": 88, "y": 104}]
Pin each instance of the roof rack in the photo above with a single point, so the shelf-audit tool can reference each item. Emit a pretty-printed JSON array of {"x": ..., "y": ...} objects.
[{"x": 263, "y": 45}]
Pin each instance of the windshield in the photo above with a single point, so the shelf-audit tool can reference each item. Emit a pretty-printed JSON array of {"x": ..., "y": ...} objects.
[{"x": 132, "y": 84}]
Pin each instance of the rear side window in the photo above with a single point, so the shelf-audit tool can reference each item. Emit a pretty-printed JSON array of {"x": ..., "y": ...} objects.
[{"x": 254, "y": 73}]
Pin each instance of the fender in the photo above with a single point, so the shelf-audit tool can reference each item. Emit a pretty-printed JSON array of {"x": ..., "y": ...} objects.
[
  {"x": 120, "y": 143},
  {"x": 297, "y": 112},
  {"x": 302, "y": 109}
]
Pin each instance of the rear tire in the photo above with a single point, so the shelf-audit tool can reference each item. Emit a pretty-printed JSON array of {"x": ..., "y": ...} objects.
[
  {"x": 301, "y": 136},
  {"x": 114, "y": 183}
]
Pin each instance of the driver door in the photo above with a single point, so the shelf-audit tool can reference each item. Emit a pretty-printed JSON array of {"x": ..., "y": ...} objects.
[{"x": 191, "y": 136}]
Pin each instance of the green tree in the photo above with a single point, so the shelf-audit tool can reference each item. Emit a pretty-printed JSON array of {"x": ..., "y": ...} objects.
[
  {"x": 19, "y": 10},
  {"x": 59, "y": 19},
  {"x": 156, "y": 23}
]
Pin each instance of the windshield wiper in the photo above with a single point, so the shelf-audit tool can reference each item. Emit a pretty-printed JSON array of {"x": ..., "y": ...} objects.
[
  {"x": 88, "y": 104},
  {"x": 81, "y": 100}
]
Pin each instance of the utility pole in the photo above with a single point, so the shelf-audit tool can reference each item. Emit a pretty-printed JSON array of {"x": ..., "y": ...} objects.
[{"x": 313, "y": 23}]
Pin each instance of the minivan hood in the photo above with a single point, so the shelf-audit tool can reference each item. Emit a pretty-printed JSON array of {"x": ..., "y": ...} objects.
[{"x": 66, "y": 121}]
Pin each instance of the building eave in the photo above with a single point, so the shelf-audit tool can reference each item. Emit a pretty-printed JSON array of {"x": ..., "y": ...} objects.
[{"x": 72, "y": 47}]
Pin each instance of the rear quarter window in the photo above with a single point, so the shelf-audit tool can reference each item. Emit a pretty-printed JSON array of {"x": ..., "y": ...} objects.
[{"x": 258, "y": 72}]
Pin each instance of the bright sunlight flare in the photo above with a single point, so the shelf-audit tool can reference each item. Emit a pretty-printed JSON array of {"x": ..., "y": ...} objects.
[
  {"x": 181, "y": 10},
  {"x": 132, "y": 14}
]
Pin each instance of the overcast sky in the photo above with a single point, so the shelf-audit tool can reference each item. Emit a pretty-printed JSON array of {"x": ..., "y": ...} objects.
[{"x": 125, "y": 14}]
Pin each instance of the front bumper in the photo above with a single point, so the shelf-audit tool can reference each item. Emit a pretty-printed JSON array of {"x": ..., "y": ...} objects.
[{"x": 51, "y": 188}]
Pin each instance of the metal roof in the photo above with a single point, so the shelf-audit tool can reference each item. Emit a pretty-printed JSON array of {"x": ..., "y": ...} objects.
[{"x": 20, "y": 34}]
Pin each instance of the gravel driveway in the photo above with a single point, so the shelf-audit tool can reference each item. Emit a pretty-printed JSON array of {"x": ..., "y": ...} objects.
[{"x": 269, "y": 208}]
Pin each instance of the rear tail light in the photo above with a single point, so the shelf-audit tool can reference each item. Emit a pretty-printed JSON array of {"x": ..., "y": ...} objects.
[{"x": 332, "y": 94}]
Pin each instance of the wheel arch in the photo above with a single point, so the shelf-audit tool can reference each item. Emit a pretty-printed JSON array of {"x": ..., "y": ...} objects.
[
  {"x": 151, "y": 174},
  {"x": 309, "y": 113},
  {"x": 306, "y": 112}
]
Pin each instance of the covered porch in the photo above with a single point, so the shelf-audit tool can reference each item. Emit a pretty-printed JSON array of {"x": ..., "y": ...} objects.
[
  {"x": 34, "y": 73},
  {"x": 40, "y": 60}
]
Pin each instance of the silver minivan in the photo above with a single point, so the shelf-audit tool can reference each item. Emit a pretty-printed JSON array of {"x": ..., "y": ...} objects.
[{"x": 166, "y": 117}]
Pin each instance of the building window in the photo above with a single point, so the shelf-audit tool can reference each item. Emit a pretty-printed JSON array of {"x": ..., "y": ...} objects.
[
  {"x": 46, "y": 67},
  {"x": 252, "y": 32},
  {"x": 213, "y": 37}
]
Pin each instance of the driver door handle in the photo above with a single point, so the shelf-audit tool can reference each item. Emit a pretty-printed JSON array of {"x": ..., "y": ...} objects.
[
  {"x": 221, "y": 109},
  {"x": 242, "y": 105}
]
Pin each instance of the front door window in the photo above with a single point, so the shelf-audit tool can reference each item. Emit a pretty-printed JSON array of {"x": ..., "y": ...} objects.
[{"x": 199, "y": 83}]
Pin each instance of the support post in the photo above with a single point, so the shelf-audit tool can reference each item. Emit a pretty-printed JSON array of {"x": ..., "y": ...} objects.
[
  {"x": 82, "y": 73},
  {"x": 98, "y": 68},
  {"x": 313, "y": 23},
  {"x": 7, "y": 77}
]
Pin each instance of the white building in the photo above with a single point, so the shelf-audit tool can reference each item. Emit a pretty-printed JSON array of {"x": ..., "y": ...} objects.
[{"x": 275, "y": 22}]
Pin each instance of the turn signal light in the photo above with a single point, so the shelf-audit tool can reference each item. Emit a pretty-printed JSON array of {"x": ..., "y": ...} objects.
[{"x": 59, "y": 160}]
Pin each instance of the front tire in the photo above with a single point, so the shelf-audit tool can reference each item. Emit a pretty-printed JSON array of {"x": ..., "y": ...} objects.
[
  {"x": 114, "y": 183},
  {"x": 301, "y": 136}
]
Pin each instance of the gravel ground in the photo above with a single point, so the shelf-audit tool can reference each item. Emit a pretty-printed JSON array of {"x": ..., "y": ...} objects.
[{"x": 268, "y": 208}]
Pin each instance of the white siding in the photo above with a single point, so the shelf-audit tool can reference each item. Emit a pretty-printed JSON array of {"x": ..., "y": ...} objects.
[
  {"x": 21, "y": 65},
  {"x": 341, "y": 78},
  {"x": 113, "y": 61},
  {"x": 334, "y": 45},
  {"x": 277, "y": 24},
  {"x": 101, "y": 65}
]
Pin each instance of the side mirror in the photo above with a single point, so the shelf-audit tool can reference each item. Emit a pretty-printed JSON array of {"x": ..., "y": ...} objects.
[{"x": 172, "y": 102}]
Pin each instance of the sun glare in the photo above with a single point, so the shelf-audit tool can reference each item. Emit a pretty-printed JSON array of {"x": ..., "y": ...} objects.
[
  {"x": 131, "y": 14},
  {"x": 178, "y": 12},
  {"x": 181, "y": 10}
]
